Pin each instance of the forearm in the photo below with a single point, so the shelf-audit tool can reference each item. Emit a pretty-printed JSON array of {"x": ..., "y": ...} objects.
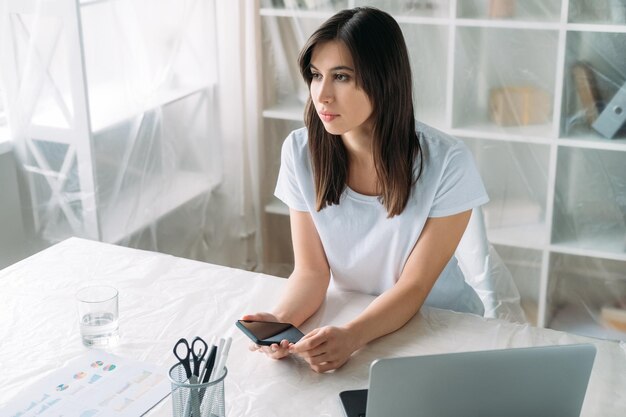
[
  {"x": 303, "y": 295},
  {"x": 388, "y": 312},
  {"x": 392, "y": 309}
]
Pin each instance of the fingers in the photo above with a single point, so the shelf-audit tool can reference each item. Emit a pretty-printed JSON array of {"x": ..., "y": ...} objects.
[
  {"x": 317, "y": 356},
  {"x": 313, "y": 348},
  {"x": 274, "y": 351},
  {"x": 310, "y": 341},
  {"x": 318, "y": 350},
  {"x": 278, "y": 351},
  {"x": 324, "y": 349}
]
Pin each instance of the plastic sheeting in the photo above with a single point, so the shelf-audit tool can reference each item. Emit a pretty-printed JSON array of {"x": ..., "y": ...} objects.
[
  {"x": 113, "y": 105},
  {"x": 486, "y": 273},
  {"x": 114, "y": 113},
  {"x": 532, "y": 87},
  {"x": 163, "y": 298}
]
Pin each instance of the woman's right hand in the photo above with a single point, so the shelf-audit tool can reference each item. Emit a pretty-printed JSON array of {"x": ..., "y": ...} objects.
[{"x": 275, "y": 351}]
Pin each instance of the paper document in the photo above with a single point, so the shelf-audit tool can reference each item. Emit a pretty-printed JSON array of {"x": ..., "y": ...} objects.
[{"x": 95, "y": 384}]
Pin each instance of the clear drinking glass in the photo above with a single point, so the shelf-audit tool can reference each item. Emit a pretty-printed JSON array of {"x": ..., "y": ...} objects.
[{"x": 98, "y": 316}]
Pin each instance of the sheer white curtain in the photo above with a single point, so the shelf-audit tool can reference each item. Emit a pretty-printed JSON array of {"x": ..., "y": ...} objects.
[{"x": 239, "y": 96}]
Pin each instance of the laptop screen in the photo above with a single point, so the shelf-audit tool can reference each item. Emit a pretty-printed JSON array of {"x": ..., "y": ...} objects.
[{"x": 537, "y": 381}]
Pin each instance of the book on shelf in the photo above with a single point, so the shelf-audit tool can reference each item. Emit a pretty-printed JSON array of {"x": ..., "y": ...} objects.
[
  {"x": 587, "y": 90},
  {"x": 519, "y": 105}
]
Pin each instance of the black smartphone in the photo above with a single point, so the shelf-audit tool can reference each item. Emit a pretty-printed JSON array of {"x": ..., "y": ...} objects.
[{"x": 267, "y": 333}]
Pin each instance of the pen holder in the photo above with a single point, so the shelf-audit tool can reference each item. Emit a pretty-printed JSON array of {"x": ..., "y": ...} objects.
[{"x": 196, "y": 400}]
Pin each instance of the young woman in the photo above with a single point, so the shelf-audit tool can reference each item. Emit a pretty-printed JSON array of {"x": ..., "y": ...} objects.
[{"x": 378, "y": 202}]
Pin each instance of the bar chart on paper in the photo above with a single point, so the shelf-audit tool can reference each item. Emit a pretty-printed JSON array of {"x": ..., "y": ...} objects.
[{"x": 95, "y": 384}]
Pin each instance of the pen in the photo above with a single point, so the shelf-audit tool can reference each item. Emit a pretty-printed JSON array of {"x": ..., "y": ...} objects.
[
  {"x": 210, "y": 362},
  {"x": 223, "y": 357},
  {"x": 207, "y": 403}
]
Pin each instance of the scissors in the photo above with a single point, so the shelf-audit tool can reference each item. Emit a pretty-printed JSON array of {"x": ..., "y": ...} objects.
[{"x": 193, "y": 353}]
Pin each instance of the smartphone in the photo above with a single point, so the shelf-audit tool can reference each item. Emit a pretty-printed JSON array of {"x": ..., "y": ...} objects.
[{"x": 267, "y": 333}]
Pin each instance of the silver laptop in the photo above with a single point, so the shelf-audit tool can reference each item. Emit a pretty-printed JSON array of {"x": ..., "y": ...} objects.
[{"x": 538, "y": 381}]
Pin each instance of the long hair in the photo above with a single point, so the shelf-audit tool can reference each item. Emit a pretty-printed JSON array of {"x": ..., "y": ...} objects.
[{"x": 383, "y": 71}]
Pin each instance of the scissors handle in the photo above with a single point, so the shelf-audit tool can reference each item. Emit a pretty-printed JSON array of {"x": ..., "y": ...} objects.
[
  {"x": 198, "y": 349},
  {"x": 184, "y": 359}
]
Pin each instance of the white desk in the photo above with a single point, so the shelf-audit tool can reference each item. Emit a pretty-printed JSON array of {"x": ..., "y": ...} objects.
[{"x": 163, "y": 298}]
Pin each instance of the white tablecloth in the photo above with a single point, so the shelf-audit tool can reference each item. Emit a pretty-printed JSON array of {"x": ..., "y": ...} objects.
[{"x": 164, "y": 298}]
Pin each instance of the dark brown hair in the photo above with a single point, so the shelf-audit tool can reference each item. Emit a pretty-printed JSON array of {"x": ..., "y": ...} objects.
[{"x": 383, "y": 71}]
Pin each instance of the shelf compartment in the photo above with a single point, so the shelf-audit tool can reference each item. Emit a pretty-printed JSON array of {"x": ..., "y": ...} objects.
[
  {"x": 139, "y": 162},
  {"x": 138, "y": 206},
  {"x": 580, "y": 288},
  {"x": 283, "y": 87},
  {"x": 515, "y": 176},
  {"x": 526, "y": 236},
  {"x": 597, "y": 58},
  {"x": 578, "y": 320},
  {"x": 510, "y": 10},
  {"x": 428, "y": 50},
  {"x": 490, "y": 58},
  {"x": 130, "y": 216},
  {"x": 610, "y": 12},
  {"x": 590, "y": 202},
  {"x": 407, "y": 8}
]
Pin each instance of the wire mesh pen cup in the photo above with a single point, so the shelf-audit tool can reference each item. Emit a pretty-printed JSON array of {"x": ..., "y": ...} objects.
[{"x": 196, "y": 400}]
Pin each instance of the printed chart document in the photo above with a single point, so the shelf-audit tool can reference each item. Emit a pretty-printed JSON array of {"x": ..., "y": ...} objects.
[{"x": 96, "y": 384}]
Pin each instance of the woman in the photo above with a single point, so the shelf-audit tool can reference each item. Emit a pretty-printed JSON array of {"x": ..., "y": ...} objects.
[{"x": 378, "y": 202}]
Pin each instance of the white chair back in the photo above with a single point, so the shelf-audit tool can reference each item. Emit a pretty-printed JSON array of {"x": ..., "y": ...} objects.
[{"x": 485, "y": 271}]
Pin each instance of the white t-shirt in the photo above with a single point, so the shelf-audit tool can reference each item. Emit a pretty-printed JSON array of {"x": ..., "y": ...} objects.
[{"x": 366, "y": 250}]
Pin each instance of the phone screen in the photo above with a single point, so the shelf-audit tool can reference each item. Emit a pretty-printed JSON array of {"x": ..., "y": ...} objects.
[
  {"x": 269, "y": 332},
  {"x": 265, "y": 330}
]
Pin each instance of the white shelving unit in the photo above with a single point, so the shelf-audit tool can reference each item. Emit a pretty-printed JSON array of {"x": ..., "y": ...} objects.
[
  {"x": 114, "y": 111},
  {"x": 558, "y": 189}
]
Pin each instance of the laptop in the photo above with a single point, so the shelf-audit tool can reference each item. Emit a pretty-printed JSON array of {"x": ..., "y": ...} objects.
[{"x": 523, "y": 382}]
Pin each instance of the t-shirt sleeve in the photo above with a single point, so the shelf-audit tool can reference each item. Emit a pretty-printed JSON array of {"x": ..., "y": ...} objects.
[
  {"x": 287, "y": 187},
  {"x": 460, "y": 188}
]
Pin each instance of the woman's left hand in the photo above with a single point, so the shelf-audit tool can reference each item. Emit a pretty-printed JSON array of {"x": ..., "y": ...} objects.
[{"x": 326, "y": 348}]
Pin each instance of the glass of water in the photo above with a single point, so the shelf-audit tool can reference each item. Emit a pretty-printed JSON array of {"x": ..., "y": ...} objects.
[{"x": 98, "y": 315}]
